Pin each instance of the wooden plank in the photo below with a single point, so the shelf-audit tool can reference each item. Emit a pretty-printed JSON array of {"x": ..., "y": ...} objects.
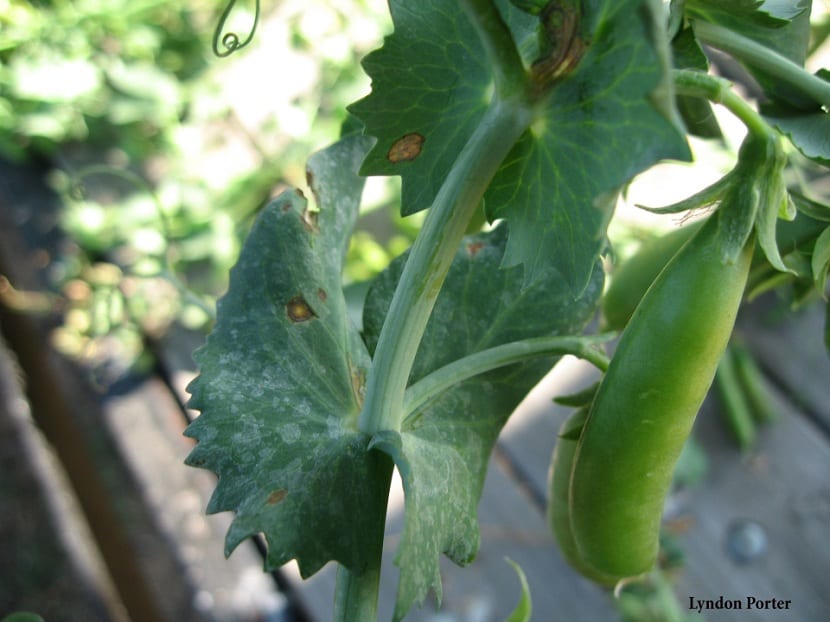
[
  {"x": 790, "y": 346},
  {"x": 48, "y": 561},
  {"x": 139, "y": 508},
  {"x": 780, "y": 492}
]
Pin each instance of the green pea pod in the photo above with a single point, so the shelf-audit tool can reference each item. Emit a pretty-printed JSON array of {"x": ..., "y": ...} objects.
[
  {"x": 559, "y": 516},
  {"x": 754, "y": 383},
  {"x": 634, "y": 276},
  {"x": 735, "y": 407},
  {"x": 647, "y": 402}
]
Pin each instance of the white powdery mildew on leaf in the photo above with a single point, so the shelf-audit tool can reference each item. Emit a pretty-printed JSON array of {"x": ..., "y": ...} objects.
[{"x": 276, "y": 388}]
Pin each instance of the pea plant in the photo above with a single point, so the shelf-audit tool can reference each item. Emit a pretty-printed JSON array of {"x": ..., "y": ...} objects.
[{"x": 532, "y": 115}]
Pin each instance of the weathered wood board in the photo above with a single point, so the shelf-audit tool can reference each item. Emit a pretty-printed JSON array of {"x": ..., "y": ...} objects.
[
  {"x": 122, "y": 450},
  {"x": 48, "y": 561}
]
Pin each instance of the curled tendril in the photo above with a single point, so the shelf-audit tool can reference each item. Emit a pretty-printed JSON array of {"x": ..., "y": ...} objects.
[{"x": 229, "y": 42}]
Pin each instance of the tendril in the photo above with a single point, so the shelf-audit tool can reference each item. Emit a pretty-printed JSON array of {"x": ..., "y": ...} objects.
[{"x": 229, "y": 42}]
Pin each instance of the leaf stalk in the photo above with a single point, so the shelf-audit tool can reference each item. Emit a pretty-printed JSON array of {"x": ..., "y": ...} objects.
[
  {"x": 699, "y": 84},
  {"x": 477, "y": 363},
  {"x": 509, "y": 72},
  {"x": 430, "y": 259},
  {"x": 764, "y": 58}
]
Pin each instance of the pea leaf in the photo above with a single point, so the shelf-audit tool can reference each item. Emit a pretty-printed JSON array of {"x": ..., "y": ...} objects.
[
  {"x": 599, "y": 127},
  {"x": 745, "y": 15},
  {"x": 429, "y": 91},
  {"x": 599, "y": 130},
  {"x": 443, "y": 448},
  {"x": 809, "y": 133},
  {"x": 281, "y": 382}
]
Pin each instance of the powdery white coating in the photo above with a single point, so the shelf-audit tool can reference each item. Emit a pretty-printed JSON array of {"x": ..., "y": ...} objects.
[{"x": 276, "y": 388}]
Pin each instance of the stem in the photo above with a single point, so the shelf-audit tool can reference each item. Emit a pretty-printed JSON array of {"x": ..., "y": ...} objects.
[
  {"x": 430, "y": 259},
  {"x": 508, "y": 70},
  {"x": 506, "y": 354},
  {"x": 356, "y": 594},
  {"x": 699, "y": 84},
  {"x": 763, "y": 58}
]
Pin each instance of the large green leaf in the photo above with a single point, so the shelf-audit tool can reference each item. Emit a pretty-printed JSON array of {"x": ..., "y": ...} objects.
[
  {"x": 443, "y": 448},
  {"x": 600, "y": 126},
  {"x": 746, "y": 15},
  {"x": 810, "y": 133},
  {"x": 430, "y": 86},
  {"x": 281, "y": 382}
]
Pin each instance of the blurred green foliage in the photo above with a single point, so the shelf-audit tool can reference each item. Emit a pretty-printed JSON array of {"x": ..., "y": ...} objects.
[
  {"x": 164, "y": 153},
  {"x": 86, "y": 69}
]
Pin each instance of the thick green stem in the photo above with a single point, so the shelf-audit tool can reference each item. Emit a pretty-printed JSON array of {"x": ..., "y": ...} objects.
[
  {"x": 430, "y": 259},
  {"x": 764, "y": 58},
  {"x": 508, "y": 70},
  {"x": 506, "y": 354},
  {"x": 460, "y": 195},
  {"x": 424, "y": 273},
  {"x": 699, "y": 84},
  {"x": 356, "y": 593}
]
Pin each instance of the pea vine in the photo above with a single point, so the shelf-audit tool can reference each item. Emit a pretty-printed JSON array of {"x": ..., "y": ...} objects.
[{"x": 536, "y": 113}]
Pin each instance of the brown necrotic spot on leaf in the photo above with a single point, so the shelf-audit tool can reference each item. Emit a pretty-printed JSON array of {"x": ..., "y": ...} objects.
[
  {"x": 321, "y": 294},
  {"x": 277, "y": 496},
  {"x": 310, "y": 220},
  {"x": 474, "y": 247},
  {"x": 406, "y": 148},
  {"x": 298, "y": 310}
]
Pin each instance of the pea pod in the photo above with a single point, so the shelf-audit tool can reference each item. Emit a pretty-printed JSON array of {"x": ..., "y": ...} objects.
[
  {"x": 631, "y": 280},
  {"x": 647, "y": 402},
  {"x": 559, "y": 477},
  {"x": 763, "y": 402},
  {"x": 735, "y": 407}
]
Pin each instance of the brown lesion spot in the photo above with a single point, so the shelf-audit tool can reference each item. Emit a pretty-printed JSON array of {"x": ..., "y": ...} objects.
[
  {"x": 561, "y": 25},
  {"x": 406, "y": 148},
  {"x": 297, "y": 310},
  {"x": 310, "y": 217},
  {"x": 278, "y": 495},
  {"x": 322, "y": 295},
  {"x": 474, "y": 247}
]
